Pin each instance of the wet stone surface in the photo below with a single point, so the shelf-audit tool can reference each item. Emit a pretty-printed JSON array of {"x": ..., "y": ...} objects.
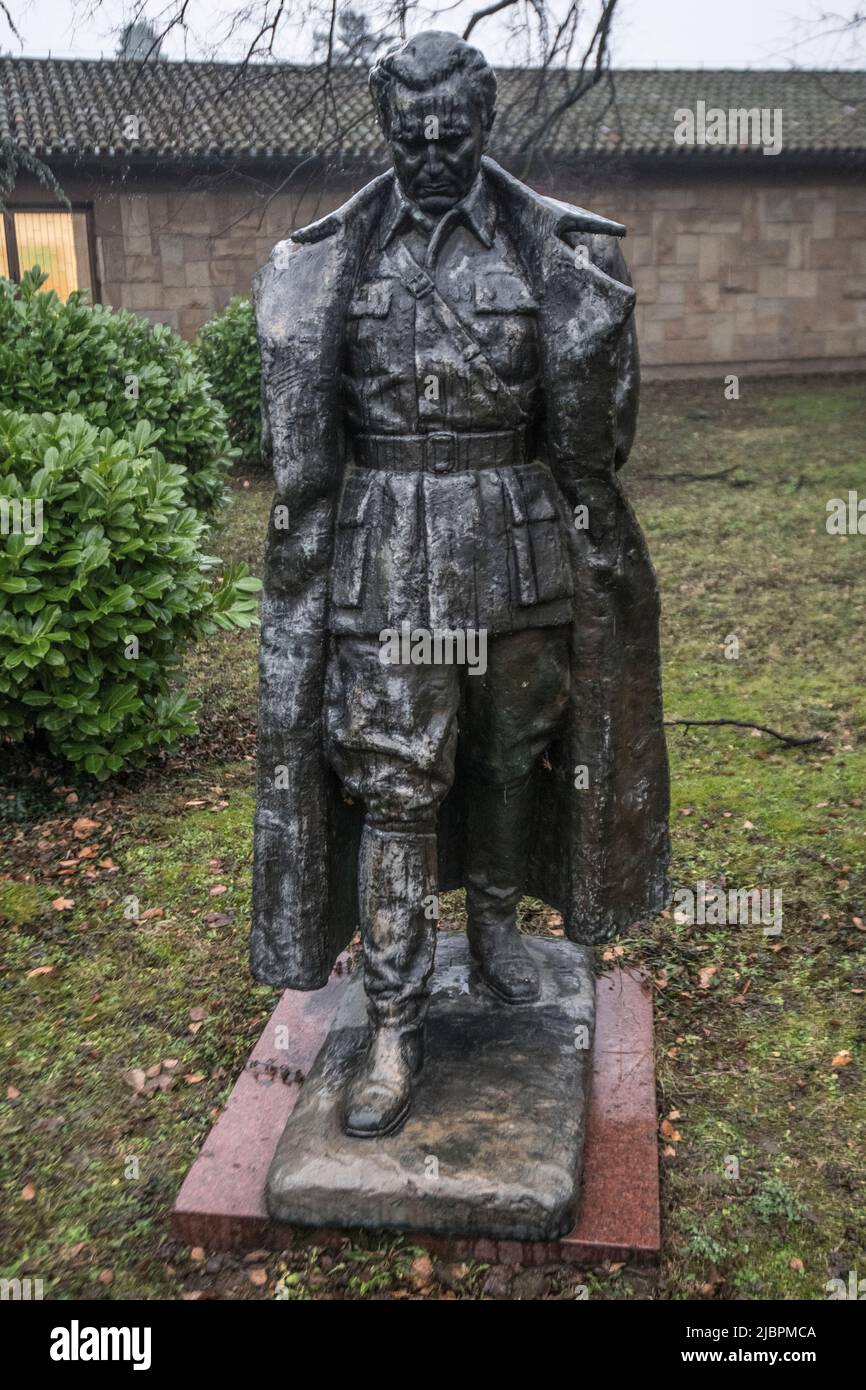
[{"x": 493, "y": 1145}]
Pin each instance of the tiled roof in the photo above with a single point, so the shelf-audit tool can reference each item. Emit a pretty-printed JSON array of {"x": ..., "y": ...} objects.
[{"x": 194, "y": 111}]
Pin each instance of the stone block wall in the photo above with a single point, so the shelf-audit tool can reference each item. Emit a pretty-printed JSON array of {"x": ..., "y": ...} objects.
[
  {"x": 178, "y": 256},
  {"x": 739, "y": 273}
]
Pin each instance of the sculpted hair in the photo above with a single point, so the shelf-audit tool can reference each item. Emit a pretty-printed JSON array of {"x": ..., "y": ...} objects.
[{"x": 425, "y": 60}]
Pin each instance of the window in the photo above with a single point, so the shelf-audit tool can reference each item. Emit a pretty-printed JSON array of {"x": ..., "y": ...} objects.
[{"x": 58, "y": 242}]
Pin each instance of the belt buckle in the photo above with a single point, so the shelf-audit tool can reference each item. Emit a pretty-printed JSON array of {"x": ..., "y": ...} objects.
[
  {"x": 419, "y": 284},
  {"x": 440, "y": 451}
]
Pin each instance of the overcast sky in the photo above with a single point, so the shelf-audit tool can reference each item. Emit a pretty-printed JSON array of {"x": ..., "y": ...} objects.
[{"x": 648, "y": 33}]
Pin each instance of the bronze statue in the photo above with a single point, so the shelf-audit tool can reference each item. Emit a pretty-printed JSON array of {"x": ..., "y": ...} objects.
[{"x": 450, "y": 385}]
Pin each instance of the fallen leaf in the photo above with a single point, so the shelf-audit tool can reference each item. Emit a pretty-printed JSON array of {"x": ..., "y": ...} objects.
[
  {"x": 62, "y": 904},
  {"x": 40, "y": 970},
  {"x": 71, "y": 1252},
  {"x": 12, "y": 1093},
  {"x": 258, "y": 1276},
  {"x": 668, "y": 1131},
  {"x": 106, "y": 1276},
  {"x": 135, "y": 1078},
  {"x": 197, "y": 1254},
  {"x": 218, "y": 888},
  {"x": 83, "y": 827},
  {"x": 797, "y": 1265},
  {"x": 198, "y": 1013},
  {"x": 28, "y": 1192},
  {"x": 422, "y": 1269},
  {"x": 842, "y": 1059},
  {"x": 747, "y": 825},
  {"x": 705, "y": 975},
  {"x": 194, "y": 1077}
]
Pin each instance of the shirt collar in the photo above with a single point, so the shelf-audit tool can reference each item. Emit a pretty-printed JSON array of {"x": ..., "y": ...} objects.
[{"x": 475, "y": 211}]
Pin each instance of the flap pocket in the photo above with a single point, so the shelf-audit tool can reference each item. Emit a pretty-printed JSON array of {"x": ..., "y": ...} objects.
[
  {"x": 531, "y": 492},
  {"x": 501, "y": 292},
  {"x": 355, "y": 499},
  {"x": 540, "y": 570},
  {"x": 372, "y": 300},
  {"x": 352, "y": 542}
]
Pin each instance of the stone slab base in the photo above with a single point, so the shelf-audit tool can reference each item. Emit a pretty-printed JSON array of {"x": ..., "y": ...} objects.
[
  {"x": 221, "y": 1204},
  {"x": 493, "y": 1145}
]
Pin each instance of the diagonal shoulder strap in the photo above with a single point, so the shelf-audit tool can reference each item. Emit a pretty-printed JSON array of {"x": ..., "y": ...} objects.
[{"x": 422, "y": 286}]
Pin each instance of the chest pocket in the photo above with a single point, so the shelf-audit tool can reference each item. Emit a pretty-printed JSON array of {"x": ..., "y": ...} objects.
[
  {"x": 501, "y": 292},
  {"x": 372, "y": 300}
]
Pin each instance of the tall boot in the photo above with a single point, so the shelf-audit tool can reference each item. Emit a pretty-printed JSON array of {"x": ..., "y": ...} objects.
[
  {"x": 499, "y": 828},
  {"x": 397, "y": 878}
]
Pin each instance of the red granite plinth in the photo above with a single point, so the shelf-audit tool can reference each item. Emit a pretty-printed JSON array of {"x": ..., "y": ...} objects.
[{"x": 221, "y": 1204}]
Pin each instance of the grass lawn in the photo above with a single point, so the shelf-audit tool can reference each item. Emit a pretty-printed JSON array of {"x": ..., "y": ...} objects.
[{"x": 125, "y": 907}]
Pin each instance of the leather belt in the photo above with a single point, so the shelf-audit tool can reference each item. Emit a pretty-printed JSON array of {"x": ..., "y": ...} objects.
[{"x": 441, "y": 451}]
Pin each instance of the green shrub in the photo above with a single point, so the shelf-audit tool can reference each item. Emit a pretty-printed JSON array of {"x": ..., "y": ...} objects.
[
  {"x": 95, "y": 612},
  {"x": 228, "y": 352},
  {"x": 92, "y": 360}
]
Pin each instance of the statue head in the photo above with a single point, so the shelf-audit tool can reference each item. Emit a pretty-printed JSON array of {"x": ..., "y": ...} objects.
[{"x": 436, "y": 98}]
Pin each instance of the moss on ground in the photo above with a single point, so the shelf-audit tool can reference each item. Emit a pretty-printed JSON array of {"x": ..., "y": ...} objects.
[{"x": 761, "y": 1040}]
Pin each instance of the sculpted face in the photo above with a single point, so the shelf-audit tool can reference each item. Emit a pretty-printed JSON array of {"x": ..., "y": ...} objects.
[{"x": 436, "y": 139}]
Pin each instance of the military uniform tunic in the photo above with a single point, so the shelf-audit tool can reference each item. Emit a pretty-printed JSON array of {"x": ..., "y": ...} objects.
[{"x": 443, "y": 546}]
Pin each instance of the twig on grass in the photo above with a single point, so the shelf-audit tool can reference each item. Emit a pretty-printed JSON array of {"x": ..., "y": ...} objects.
[{"x": 792, "y": 740}]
